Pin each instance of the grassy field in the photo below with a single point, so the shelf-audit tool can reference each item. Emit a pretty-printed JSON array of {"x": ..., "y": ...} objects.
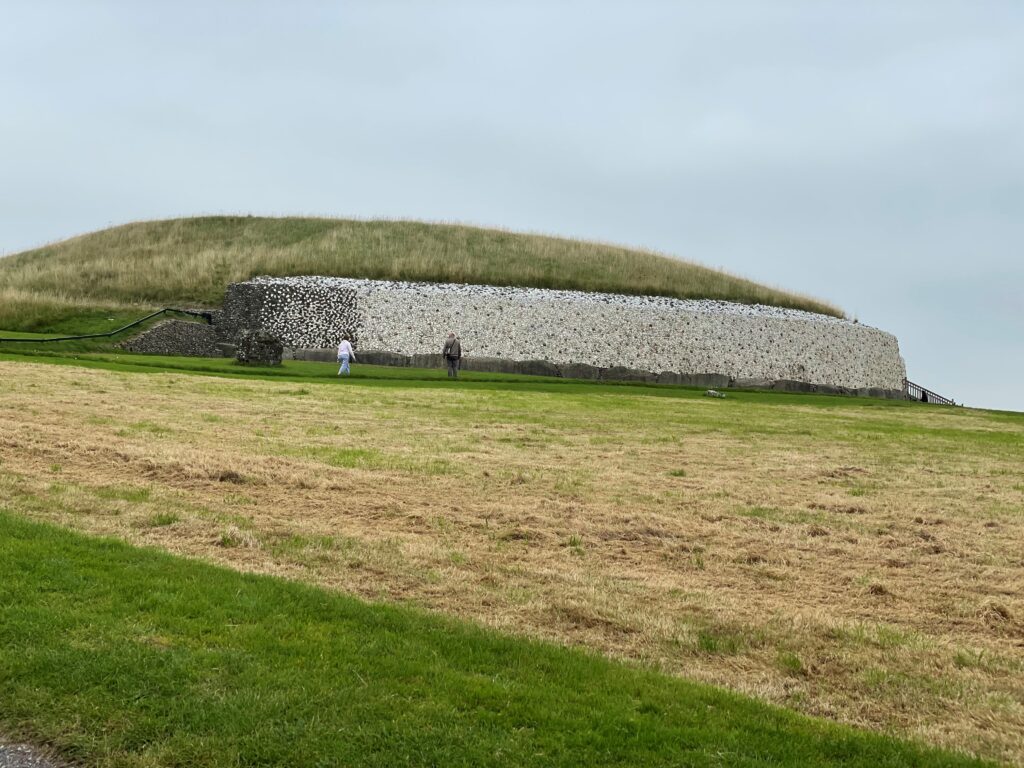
[
  {"x": 126, "y": 270},
  {"x": 79, "y": 354},
  {"x": 117, "y": 656},
  {"x": 849, "y": 558}
]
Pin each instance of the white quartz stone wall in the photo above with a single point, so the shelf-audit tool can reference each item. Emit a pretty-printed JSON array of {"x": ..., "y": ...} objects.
[{"x": 642, "y": 332}]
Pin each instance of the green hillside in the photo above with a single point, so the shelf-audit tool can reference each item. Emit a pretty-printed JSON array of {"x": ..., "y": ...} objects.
[{"x": 190, "y": 261}]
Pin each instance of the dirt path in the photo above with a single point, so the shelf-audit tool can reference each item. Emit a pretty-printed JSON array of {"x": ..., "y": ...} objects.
[{"x": 24, "y": 756}]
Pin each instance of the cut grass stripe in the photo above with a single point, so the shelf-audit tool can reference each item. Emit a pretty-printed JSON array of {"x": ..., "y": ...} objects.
[
  {"x": 119, "y": 656},
  {"x": 382, "y": 376}
]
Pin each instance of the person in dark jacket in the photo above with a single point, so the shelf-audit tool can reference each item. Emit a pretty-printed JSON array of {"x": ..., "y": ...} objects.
[{"x": 452, "y": 354}]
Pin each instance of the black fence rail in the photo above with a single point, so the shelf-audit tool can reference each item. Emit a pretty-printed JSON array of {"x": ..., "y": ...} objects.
[
  {"x": 914, "y": 391},
  {"x": 207, "y": 316}
]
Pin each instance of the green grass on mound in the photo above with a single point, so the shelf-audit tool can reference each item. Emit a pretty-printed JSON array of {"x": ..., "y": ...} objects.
[
  {"x": 117, "y": 656},
  {"x": 60, "y": 313},
  {"x": 191, "y": 261}
]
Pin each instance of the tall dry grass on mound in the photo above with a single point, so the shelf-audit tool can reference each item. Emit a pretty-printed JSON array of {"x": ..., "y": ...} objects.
[
  {"x": 23, "y": 309},
  {"x": 192, "y": 260}
]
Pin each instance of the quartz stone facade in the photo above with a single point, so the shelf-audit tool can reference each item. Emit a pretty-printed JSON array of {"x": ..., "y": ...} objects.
[{"x": 644, "y": 333}]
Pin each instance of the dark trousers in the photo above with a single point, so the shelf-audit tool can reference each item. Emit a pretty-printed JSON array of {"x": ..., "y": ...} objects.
[{"x": 453, "y": 367}]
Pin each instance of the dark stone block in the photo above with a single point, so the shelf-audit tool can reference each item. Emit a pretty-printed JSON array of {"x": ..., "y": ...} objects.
[
  {"x": 538, "y": 368},
  {"x": 323, "y": 355},
  {"x": 580, "y": 371},
  {"x": 703, "y": 380},
  {"x": 885, "y": 394},
  {"x": 259, "y": 348},
  {"x": 380, "y": 357},
  {"x": 621, "y": 373},
  {"x": 790, "y": 385},
  {"x": 709, "y": 380},
  {"x": 242, "y": 305},
  {"x": 175, "y": 337},
  {"x": 821, "y": 389},
  {"x": 426, "y": 361},
  {"x": 752, "y": 383},
  {"x": 491, "y": 365}
]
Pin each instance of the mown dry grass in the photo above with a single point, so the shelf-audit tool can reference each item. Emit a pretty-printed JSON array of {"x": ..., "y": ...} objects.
[
  {"x": 859, "y": 563},
  {"x": 192, "y": 261}
]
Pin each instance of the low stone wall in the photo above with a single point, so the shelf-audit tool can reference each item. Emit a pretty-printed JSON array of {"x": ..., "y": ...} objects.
[
  {"x": 573, "y": 332},
  {"x": 176, "y": 337},
  {"x": 588, "y": 372}
]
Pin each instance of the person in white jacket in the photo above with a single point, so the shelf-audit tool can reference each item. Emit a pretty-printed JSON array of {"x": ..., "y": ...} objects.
[{"x": 345, "y": 353}]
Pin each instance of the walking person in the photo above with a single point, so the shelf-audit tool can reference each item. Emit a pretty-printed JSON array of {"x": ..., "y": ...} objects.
[
  {"x": 453, "y": 355},
  {"x": 345, "y": 353}
]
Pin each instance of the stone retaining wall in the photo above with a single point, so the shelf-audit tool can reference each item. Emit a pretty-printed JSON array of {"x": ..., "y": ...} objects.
[
  {"x": 749, "y": 345},
  {"x": 176, "y": 337}
]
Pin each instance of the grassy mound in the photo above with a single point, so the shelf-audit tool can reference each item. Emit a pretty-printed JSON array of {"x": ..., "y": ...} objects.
[{"x": 191, "y": 260}]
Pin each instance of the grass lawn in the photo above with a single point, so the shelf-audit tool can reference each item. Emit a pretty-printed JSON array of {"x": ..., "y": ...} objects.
[
  {"x": 98, "y": 356},
  {"x": 118, "y": 656},
  {"x": 60, "y": 315},
  {"x": 289, "y": 370},
  {"x": 851, "y": 558},
  {"x": 25, "y": 335},
  {"x": 79, "y": 324}
]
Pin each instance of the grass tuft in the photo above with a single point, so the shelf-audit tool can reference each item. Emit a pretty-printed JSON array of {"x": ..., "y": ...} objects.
[
  {"x": 124, "y": 493},
  {"x": 161, "y": 519},
  {"x": 720, "y": 642},
  {"x": 791, "y": 664}
]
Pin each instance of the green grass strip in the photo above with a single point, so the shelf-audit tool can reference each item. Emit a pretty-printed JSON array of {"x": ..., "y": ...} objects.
[
  {"x": 384, "y": 376},
  {"x": 119, "y": 656}
]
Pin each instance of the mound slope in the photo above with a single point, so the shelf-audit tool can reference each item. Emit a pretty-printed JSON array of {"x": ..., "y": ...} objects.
[{"x": 192, "y": 260}]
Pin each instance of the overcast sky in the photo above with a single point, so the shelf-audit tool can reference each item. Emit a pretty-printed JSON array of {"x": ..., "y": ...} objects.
[{"x": 867, "y": 153}]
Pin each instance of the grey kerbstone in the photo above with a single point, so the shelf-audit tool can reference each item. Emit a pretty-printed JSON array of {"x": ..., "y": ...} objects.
[
  {"x": 492, "y": 365},
  {"x": 328, "y": 355},
  {"x": 709, "y": 380},
  {"x": 752, "y": 383},
  {"x": 259, "y": 347},
  {"x": 621, "y": 373},
  {"x": 380, "y": 357},
  {"x": 788, "y": 385},
  {"x": 426, "y": 361},
  {"x": 538, "y": 368},
  {"x": 886, "y": 394},
  {"x": 580, "y": 371}
]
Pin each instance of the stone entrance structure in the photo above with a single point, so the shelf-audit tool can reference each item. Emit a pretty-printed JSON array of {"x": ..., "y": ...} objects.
[{"x": 569, "y": 333}]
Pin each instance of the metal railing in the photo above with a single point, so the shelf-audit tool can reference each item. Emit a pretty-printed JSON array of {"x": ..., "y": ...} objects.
[
  {"x": 914, "y": 391},
  {"x": 207, "y": 316}
]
